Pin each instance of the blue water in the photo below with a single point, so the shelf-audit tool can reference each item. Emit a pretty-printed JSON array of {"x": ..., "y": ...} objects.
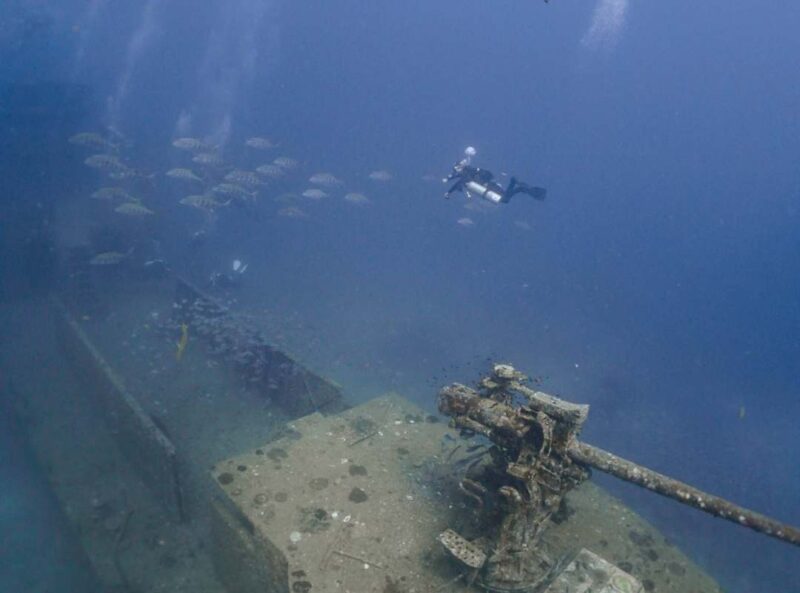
[{"x": 659, "y": 281}]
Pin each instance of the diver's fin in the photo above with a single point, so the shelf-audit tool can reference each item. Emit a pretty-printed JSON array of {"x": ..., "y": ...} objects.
[
  {"x": 538, "y": 193},
  {"x": 518, "y": 187}
]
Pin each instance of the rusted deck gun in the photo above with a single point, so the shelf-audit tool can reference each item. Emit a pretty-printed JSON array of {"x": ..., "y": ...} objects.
[{"x": 539, "y": 439}]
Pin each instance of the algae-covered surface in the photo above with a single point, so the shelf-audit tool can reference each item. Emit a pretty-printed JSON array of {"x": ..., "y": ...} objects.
[{"x": 355, "y": 503}]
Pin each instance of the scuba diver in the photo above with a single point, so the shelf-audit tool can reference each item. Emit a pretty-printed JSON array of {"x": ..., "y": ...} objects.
[
  {"x": 471, "y": 180},
  {"x": 231, "y": 279}
]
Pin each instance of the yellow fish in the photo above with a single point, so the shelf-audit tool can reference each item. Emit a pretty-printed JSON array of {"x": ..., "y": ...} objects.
[{"x": 182, "y": 342}]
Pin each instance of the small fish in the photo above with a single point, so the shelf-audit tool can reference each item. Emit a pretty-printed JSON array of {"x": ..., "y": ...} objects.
[
  {"x": 465, "y": 222},
  {"x": 284, "y": 162},
  {"x": 314, "y": 194},
  {"x": 108, "y": 258},
  {"x": 233, "y": 190},
  {"x": 104, "y": 161},
  {"x": 183, "y": 174},
  {"x": 209, "y": 159},
  {"x": 522, "y": 224},
  {"x": 381, "y": 175},
  {"x": 111, "y": 164},
  {"x": 292, "y": 212},
  {"x": 91, "y": 140},
  {"x": 260, "y": 143},
  {"x": 742, "y": 412},
  {"x": 123, "y": 173},
  {"x": 271, "y": 171},
  {"x": 356, "y": 198},
  {"x": 113, "y": 193},
  {"x": 203, "y": 202},
  {"x": 133, "y": 209},
  {"x": 191, "y": 145},
  {"x": 243, "y": 177},
  {"x": 326, "y": 179}
]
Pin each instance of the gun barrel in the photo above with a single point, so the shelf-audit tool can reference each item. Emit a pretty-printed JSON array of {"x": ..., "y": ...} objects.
[
  {"x": 659, "y": 483},
  {"x": 501, "y": 423}
]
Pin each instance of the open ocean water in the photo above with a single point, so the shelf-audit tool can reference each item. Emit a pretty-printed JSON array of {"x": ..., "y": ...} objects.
[{"x": 659, "y": 281}]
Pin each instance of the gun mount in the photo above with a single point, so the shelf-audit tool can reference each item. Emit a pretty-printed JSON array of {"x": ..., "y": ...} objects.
[{"x": 534, "y": 460}]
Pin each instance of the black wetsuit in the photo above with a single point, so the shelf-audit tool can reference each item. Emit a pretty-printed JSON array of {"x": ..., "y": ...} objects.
[{"x": 464, "y": 173}]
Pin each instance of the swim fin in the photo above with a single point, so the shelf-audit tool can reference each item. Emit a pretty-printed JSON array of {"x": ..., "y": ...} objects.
[
  {"x": 537, "y": 193},
  {"x": 518, "y": 187}
]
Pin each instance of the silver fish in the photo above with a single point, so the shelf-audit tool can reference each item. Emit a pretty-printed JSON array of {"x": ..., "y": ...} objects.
[
  {"x": 292, "y": 212},
  {"x": 184, "y": 174},
  {"x": 203, "y": 202},
  {"x": 285, "y": 162},
  {"x": 271, "y": 171},
  {"x": 113, "y": 193},
  {"x": 209, "y": 159},
  {"x": 233, "y": 190},
  {"x": 104, "y": 161},
  {"x": 91, "y": 140},
  {"x": 123, "y": 173},
  {"x": 259, "y": 143},
  {"x": 314, "y": 194},
  {"x": 192, "y": 145},
  {"x": 356, "y": 198},
  {"x": 111, "y": 164},
  {"x": 381, "y": 175},
  {"x": 325, "y": 179},
  {"x": 242, "y": 177}
]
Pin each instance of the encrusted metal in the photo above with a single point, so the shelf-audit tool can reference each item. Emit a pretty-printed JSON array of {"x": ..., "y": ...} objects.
[{"x": 535, "y": 459}]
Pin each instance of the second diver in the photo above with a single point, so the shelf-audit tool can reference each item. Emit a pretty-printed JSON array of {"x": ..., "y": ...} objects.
[{"x": 474, "y": 180}]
